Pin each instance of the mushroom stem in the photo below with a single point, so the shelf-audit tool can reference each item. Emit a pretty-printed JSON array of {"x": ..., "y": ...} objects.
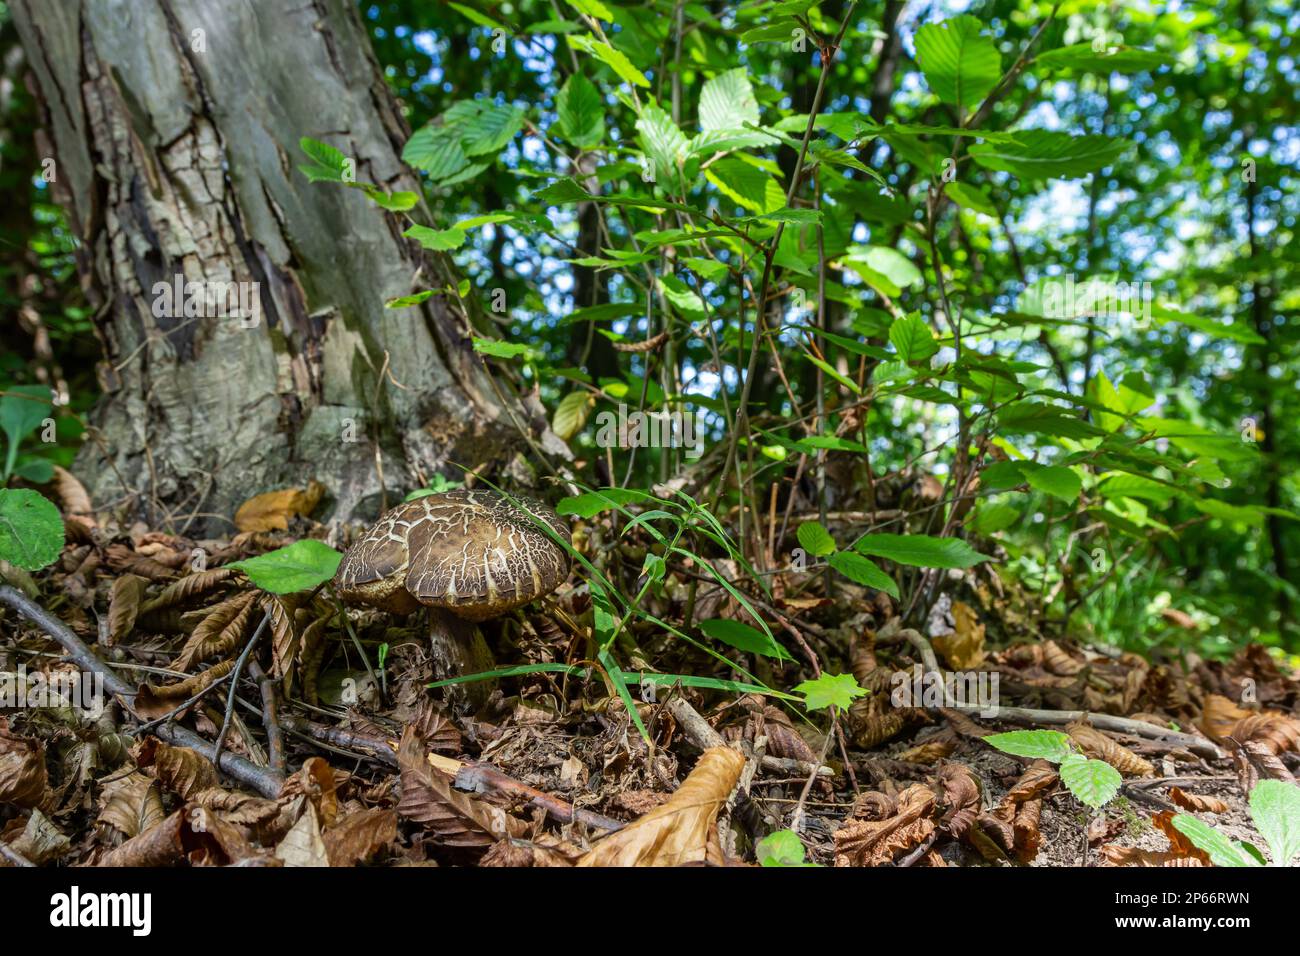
[{"x": 458, "y": 648}]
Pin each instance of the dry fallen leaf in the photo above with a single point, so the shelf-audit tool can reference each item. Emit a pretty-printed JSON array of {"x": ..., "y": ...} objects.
[
  {"x": 181, "y": 770},
  {"x": 1222, "y": 719},
  {"x": 676, "y": 833},
  {"x": 1195, "y": 801},
  {"x": 963, "y": 649},
  {"x": 302, "y": 845},
  {"x": 872, "y": 842},
  {"x": 273, "y": 510},
  {"x": 23, "y": 779},
  {"x": 359, "y": 836},
  {"x": 124, "y": 606},
  {"x": 1096, "y": 744}
]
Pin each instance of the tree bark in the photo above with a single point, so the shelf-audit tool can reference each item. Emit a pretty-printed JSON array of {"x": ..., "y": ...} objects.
[{"x": 175, "y": 128}]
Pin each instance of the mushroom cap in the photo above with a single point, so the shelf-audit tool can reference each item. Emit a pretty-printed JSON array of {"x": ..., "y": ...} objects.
[{"x": 472, "y": 552}]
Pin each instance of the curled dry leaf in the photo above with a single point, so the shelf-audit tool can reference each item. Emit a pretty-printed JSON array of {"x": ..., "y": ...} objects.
[
  {"x": 132, "y": 804},
  {"x": 187, "y": 589},
  {"x": 1195, "y": 801},
  {"x": 1059, "y": 661},
  {"x": 676, "y": 833},
  {"x": 547, "y": 850},
  {"x": 152, "y": 702},
  {"x": 1040, "y": 776},
  {"x": 273, "y": 510},
  {"x": 873, "y": 843},
  {"x": 72, "y": 493},
  {"x": 23, "y": 778},
  {"x": 454, "y": 819},
  {"x": 219, "y": 632},
  {"x": 359, "y": 836},
  {"x": 124, "y": 606},
  {"x": 1096, "y": 744},
  {"x": 181, "y": 770},
  {"x": 163, "y": 844},
  {"x": 1133, "y": 856},
  {"x": 961, "y": 797},
  {"x": 320, "y": 784},
  {"x": 929, "y": 752},
  {"x": 963, "y": 649},
  {"x": 1221, "y": 719}
]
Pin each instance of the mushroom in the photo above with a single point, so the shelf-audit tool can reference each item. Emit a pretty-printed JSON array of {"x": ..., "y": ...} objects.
[{"x": 467, "y": 555}]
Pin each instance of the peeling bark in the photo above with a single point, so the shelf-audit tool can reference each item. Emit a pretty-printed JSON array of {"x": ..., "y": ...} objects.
[{"x": 177, "y": 154}]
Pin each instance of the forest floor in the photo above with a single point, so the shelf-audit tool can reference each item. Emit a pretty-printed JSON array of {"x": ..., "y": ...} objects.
[{"x": 332, "y": 760}]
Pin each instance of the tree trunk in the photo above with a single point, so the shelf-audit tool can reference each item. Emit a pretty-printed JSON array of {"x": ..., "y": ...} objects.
[{"x": 175, "y": 128}]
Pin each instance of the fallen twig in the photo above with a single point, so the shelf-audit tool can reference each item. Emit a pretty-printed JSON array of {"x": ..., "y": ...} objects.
[
  {"x": 270, "y": 715},
  {"x": 265, "y": 781}
]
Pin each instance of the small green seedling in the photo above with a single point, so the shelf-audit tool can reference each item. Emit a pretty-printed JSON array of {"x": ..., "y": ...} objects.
[
  {"x": 781, "y": 848},
  {"x": 1093, "y": 782},
  {"x": 837, "y": 691},
  {"x": 1275, "y": 810}
]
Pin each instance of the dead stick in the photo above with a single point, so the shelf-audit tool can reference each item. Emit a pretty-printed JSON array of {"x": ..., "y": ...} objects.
[
  {"x": 469, "y": 775},
  {"x": 270, "y": 715},
  {"x": 234, "y": 682},
  {"x": 264, "y": 781},
  {"x": 1120, "y": 725},
  {"x": 701, "y": 733}
]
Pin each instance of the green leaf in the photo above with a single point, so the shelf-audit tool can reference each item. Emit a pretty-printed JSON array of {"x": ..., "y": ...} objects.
[
  {"x": 302, "y": 565},
  {"x": 830, "y": 690},
  {"x": 888, "y": 262},
  {"x": 863, "y": 571},
  {"x": 328, "y": 163},
  {"x": 1093, "y": 782},
  {"x": 448, "y": 240},
  {"x": 504, "y": 350},
  {"x": 593, "y": 8},
  {"x": 815, "y": 539},
  {"x": 781, "y": 848},
  {"x": 572, "y": 413},
  {"x": 616, "y": 60},
  {"x": 743, "y": 637},
  {"x": 746, "y": 185},
  {"x": 920, "y": 550},
  {"x": 484, "y": 126},
  {"x": 406, "y": 301},
  {"x": 581, "y": 112},
  {"x": 1047, "y": 154},
  {"x": 1057, "y": 481},
  {"x": 727, "y": 102},
  {"x": 437, "y": 151},
  {"x": 1221, "y": 850},
  {"x": 663, "y": 142},
  {"x": 469, "y": 13},
  {"x": 1275, "y": 808},
  {"x": 1114, "y": 59},
  {"x": 912, "y": 337},
  {"x": 31, "y": 530},
  {"x": 22, "y": 409},
  {"x": 971, "y": 198},
  {"x": 1033, "y": 744},
  {"x": 960, "y": 64},
  {"x": 595, "y": 502},
  {"x": 992, "y": 517}
]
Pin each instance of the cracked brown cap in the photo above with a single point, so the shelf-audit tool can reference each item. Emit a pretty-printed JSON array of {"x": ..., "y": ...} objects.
[{"x": 469, "y": 551}]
